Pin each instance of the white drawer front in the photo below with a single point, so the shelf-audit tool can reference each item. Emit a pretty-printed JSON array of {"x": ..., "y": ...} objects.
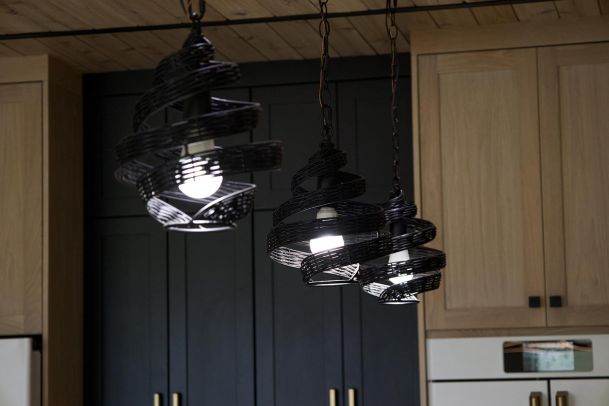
[{"x": 507, "y": 393}]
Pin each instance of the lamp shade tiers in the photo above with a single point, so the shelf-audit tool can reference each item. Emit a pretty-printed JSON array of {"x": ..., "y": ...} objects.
[
  {"x": 178, "y": 170},
  {"x": 325, "y": 216},
  {"x": 404, "y": 269}
]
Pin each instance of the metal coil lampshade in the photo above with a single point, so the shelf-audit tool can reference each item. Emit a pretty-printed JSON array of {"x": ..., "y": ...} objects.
[
  {"x": 353, "y": 223},
  {"x": 405, "y": 269},
  {"x": 177, "y": 168}
]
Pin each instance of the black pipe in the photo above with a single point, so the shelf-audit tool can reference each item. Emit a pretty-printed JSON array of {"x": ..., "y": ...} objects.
[{"x": 264, "y": 20}]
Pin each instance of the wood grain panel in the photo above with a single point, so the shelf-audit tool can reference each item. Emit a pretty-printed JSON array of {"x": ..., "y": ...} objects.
[
  {"x": 494, "y": 15},
  {"x": 536, "y": 11},
  {"x": 267, "y": 42},
  {"x": 484, "y": 151},
  {"x": 375, "y": 34},
  {"x": 63, "y": 237},
  {"x": 574, "y": 100},
  {"x": 346, "y": 40},
  {"x": 80, "y": 54},
  {"x": 577, "y": 8},
  {"x": 21, "y": 209},
  {"x": 118, "y": 50},
  {"x": 444, "y": 18}
]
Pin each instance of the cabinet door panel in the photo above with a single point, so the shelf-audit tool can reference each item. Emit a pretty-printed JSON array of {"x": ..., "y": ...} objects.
[
  {"x": 366, "y": 134},
  {"x": 574, "y": 101},
  {"x": 21, "y": 209},
  {"x": 129, "y": 322},
  {"x": 220, "y": 330},
  {"x": 480, "y": 185},
  {"x": 582, "y": 392},
  {"x": 504, "y": 393},
  {"x": 298, "y": 332},
  {"x": 381, "y": 350},
  {"x": 291, "y": 114}
]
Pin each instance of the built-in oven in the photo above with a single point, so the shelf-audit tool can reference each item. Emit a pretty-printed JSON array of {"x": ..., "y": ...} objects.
[{"x": 515, "y": 371}]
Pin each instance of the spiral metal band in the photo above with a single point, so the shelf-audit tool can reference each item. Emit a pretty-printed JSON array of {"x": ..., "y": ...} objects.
[
  {"x": 156, "y": 160},
  {"x": 357, "y": 223},
  {"x": 399, "y": 282}
]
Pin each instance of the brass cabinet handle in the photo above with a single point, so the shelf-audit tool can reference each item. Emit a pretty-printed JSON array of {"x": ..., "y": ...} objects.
[
  {"x": 535, "y": 399},
  {"x": 562, "y": 398},
  {"x": 175, "y": 399},
  {"x": 157, "y": 400},
  {"x": 351, "y": 396},
  {"x": 332, "y": 395}
]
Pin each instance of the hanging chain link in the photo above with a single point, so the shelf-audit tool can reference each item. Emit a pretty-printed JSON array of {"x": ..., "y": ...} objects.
[
  {"x": 324, "y": 95},
  {"x": 194, "y": 15},
  {"x": 392, "y": 33}
]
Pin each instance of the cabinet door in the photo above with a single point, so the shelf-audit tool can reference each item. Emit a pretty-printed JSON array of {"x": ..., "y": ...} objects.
[
  {"x": 364, "y": 114},
  {"x": 298, "y": 332},
  {"x": 212, "y": 360},
  {"x": 506, "y": 393},
  {"x": 480, "y": 184},
  {"x": 574, "y": 101},
  {"x": 127, "y": 324},
  {"x": 290, "y": 114},
  {"x": 381, "y": 351},
  {"x": 582, "y": 392},
  {"x": 21, "y": 209}
]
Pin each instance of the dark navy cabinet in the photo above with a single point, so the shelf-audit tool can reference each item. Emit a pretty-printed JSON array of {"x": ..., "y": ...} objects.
[{"x": 209, "y": 316}]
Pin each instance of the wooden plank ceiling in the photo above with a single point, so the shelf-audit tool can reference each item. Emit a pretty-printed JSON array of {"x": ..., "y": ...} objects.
[{"x": 243, "y": 43}]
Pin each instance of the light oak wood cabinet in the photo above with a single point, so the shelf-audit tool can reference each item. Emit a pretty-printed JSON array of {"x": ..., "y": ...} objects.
[
  {"x": 574, "y": 107},
  {"x": 41, "y": 217},
  {"x": 21, "y": 208},
  {"x": 480, "y": 185},
  {"x": 512, "y": 149}
]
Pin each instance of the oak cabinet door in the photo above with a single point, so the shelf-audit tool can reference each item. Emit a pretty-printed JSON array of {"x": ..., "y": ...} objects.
[
  {"x": 574, "y": 106},
  {"x": 480, "y": 185},
  {"x": 21, "y": 209}
]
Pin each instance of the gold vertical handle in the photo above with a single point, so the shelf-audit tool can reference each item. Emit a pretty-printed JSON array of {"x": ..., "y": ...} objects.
[
  {"x": 535, "y": 399},
  {"x": 562, "y": 398},
  {"x": 351, "y": 396},
  {"x": 175, "y": 399},
  {"x": 156, "y": 399},
  {"x": 332, "y": 397}
]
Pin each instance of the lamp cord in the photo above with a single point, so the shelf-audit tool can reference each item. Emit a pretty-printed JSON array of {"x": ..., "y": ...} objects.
[
  {"x": 324, "y": 94},
  {"x": 392, "y": 33}
]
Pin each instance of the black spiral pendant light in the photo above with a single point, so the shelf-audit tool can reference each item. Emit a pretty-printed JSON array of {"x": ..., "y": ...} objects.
[
  {"x": 405, "y": 268},
  {"x": 329, "y": 234},
  {"x": 177, "y": 168}
]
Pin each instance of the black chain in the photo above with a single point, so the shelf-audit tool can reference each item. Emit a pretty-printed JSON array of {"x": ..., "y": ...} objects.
[
  {"x": 194, "y": 15},
  {"x": 392, "y": 33},
  {"x": 324, "y": 95}
]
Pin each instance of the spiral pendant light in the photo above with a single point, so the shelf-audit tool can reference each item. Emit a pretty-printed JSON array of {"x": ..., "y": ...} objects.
[
  {"x": 177, "y": 168},
  {"x": 405, "y": 268},
  {"x": 328, "y": 234}
]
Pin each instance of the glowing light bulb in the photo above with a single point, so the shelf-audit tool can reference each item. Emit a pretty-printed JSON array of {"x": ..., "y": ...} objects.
[
  {"x": 401, "y": 279},
  {"x": 326, "y": 242},
  {"x": 400, "y": 256},
  {"x": 200, "y": 185}
]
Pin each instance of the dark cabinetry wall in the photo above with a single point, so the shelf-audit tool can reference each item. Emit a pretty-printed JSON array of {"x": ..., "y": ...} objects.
[{"x": 209, "y": 315}]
